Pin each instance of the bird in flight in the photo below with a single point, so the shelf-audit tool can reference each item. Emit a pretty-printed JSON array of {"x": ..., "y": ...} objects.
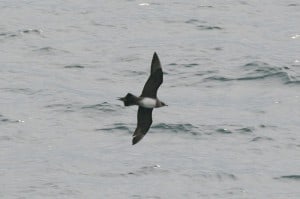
[{"x": 146, "y": 101}]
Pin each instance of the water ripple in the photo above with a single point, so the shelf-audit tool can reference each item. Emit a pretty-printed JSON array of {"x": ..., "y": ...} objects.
[
  {"x": 218, "y": 176},
  {"x": 261, "y": 138},
  {"x": 48, "y": 50},
  {"x": 25, "y": 91},
  {"x": 31, "y": 31},
  {"x": 161, "y": 127},
  {"x": 202, "y": 25},
  {"x": 290, "y": 177},
  {"x": 177, "y": 128},
  {"x": 20, "y": 33},
  {"x": 74, "y": 66},
  {"x": 194, "y": 21},
  {"x": 293, "y": 4},
  {"x": 190, "y": 65},
  {"x": 4, "y": 119},
  {"x": 8, "y": 34},
  {"x": 117, "y": 127},
  {"x": 243, "y": 130},
  {"x": 259, "y": 71},
  {"x": 61, "y": 107},
  {"x": 105, "y": 107},
  {"x": 146, "y": 170}
]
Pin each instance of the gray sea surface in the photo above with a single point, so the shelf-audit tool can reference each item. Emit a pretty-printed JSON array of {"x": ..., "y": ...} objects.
[{"x": 231, "y": 80}]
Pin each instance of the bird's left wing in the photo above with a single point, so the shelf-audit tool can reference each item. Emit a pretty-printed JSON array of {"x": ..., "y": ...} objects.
[{"x": 144, "y": 121}]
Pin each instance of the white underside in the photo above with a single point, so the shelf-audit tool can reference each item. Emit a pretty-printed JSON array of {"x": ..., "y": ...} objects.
[{"x": 147, "y": 102}]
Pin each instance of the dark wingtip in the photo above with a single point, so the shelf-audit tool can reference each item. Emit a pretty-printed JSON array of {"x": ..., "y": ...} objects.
[
  {"x": 155, "y": 55},
  {"x": 155, "y": 64},
  {"x": 137, "y": 138}
]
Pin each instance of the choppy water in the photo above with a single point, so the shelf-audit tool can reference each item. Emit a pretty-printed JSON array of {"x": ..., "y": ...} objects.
[{"x": 232, "y": 83}]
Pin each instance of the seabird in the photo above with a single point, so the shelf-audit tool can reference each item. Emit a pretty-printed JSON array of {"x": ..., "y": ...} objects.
[{"x": 146, "y": 101}]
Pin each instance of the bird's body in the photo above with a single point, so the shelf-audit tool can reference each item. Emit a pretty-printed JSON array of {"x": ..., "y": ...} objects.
[{"x": 147, "y": 101}]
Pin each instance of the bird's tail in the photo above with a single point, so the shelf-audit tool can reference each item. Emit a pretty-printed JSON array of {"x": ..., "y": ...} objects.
[{"x": 129, "y": 99}]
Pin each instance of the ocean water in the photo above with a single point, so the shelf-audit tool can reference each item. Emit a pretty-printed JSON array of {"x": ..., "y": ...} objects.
[{"x": 231, "y": 80}]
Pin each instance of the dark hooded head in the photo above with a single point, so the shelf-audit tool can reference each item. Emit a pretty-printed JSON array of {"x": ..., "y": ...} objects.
[{"x": 161, "y": 104}]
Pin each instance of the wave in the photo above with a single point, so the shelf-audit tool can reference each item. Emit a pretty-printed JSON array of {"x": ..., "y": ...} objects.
[
  {"x": 258, "y": 71},
  {"x": 186, "y": 129},
  {"x": 48, "y": 50},
  {"x": 30, "y": 31},
  {"x": 146, "y": 170},
  {"x": 67, "y": 107},
  {"x": 25, "y": 91},
  {"x": 201, "y": 25},
  {"x": 74, "y": 66},
  {"x": 8, "y": 34},
  {"x": 190, "y": 65},
  {"x": 118, "y": 127},
  {"x": 104, "y": 106},
  {"x": 243, "y": 130},
  {"x": 204, "y": 27},
  {"x": 261, "y": 138},
  {"x": 290, "y": 177},
  {"x": 220, "y": 176},
  {"x": 61, "y": 107},
  {"x": 20, "y": 33},
  {"x": 261, "y": 70},
  {"x": 4, "y": 119},
  {"x": 177, "y": 128},
  {"x": 194, "y": 21},
  {"x": 294, "y": 80},
  {"x": 293, "y": 4},
  {"x": 162, "y": 127}
]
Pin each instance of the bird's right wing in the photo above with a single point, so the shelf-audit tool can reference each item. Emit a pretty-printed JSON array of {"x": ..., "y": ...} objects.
[{"x": 155, "y": 79}]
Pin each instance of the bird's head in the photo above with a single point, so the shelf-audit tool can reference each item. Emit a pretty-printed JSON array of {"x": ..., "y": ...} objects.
[{"x": 163, "y": 104}]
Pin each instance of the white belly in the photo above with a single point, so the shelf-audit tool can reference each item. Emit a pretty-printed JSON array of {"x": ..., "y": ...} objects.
[{"x": 147, "y": 102}]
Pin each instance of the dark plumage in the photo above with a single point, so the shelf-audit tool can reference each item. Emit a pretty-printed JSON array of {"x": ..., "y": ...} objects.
[
  {"x": 147, "y": 101},
  {"x": 155, "y": 79},
  {"x": 144, "y": 119}
]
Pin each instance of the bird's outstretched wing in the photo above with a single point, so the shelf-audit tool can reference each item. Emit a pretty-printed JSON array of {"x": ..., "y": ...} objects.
[
  {"x": 144, "y": 121},
  {"x": 155, "y": 79}
]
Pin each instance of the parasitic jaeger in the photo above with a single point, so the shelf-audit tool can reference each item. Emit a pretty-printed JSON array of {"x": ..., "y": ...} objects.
[{"x": 146, "y": 101}]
